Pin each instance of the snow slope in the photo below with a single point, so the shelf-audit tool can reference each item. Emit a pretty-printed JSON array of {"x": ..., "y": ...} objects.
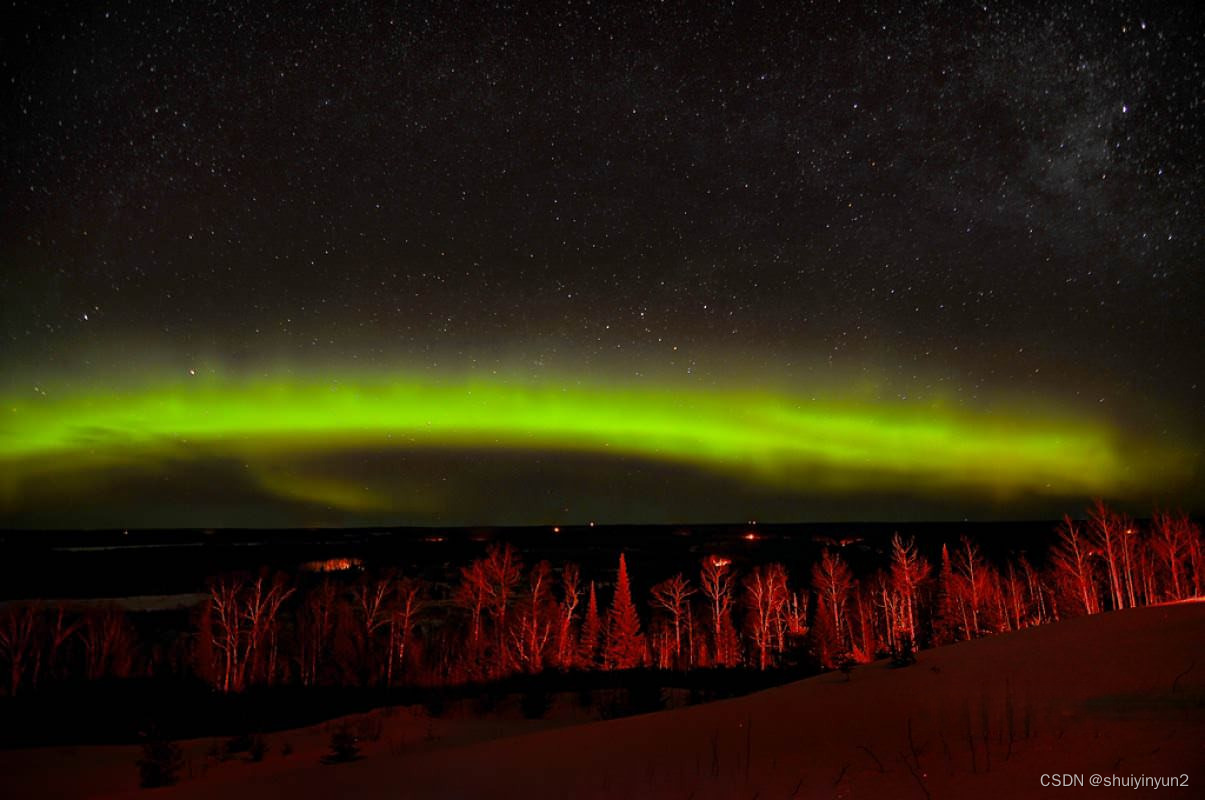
[{"x": 1116, "y": 694}]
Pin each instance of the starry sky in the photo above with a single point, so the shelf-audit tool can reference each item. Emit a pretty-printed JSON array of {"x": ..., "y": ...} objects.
[{"x": 292, "y": 264}]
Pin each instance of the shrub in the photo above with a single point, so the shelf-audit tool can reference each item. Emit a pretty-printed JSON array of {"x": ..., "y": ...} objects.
[{"x": 344, "y": 747}]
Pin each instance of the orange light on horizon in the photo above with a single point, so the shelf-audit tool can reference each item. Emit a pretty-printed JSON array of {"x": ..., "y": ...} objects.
[{"x": 333, "y": 565}]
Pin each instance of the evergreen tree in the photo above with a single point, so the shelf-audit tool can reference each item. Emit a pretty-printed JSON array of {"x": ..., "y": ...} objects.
[
  {"x": 591, "y": 633},
  {"x": 625, "y": 643},
  {"x": 945, "y": 621}
]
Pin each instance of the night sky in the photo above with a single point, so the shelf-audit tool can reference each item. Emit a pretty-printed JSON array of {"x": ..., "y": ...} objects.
[{"x": 276, "y": 265}]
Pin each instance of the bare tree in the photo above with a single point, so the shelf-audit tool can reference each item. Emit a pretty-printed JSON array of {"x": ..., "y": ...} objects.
[
  {"x": 502, "y": 571},
  {"x": 473, "y": 594},
  {"x": 58, "y": 628},
  {"x": 673, "y": 597},
  {"x": 315, "y": 629},
  {"x": 718, "y": 582},
  {"x": 1171, "y": 544},
  {"x": 832, "y": 582},
  {"x": 1072, "y": 562},
  {"x": 18, "y": 645},
  {"x": 970, "y": 585},
  {"x": 410, "y": 602},
  {"x": 534, "y": 624},
  {"x": 225, "y": 629},
  {"x": 242, "y": 625},
  {"x": 766, "y": 598},
  {"x": 570, "y": 598},
  {"x": 1108, "y": 534},
  {"x": 372, "y": 608},
  {"x": 908, "y": 571},
  {"x": 108, "y": 643}
]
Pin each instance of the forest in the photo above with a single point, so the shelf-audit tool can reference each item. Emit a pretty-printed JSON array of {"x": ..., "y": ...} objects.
[{"x": 351, "y": 626}]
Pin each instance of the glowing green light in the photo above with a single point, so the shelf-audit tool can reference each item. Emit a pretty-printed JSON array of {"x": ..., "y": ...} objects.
[{"x": 767, "y": 438}]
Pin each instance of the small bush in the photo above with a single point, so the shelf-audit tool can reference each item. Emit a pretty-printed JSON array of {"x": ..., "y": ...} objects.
[{"x": 344, "y": 748}]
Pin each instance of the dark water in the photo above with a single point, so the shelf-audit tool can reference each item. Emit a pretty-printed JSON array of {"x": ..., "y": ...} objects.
[{"x": 94, "y": 564}]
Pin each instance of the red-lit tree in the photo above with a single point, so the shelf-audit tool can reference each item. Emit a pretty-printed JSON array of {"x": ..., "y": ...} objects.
[
  {"x": 672, "y": 596},
  {"x": 410, "y": 601},
  {"x": 535, "y": 620},
  {"x": 1172, "y": 540},
  {"x": 472, "y": 594},
  {"x": 372, "y": 610},
  {"x": 570, "y": 598},
  {"x": 832, "y": 582},
  {"x": 503, "y": 570},
  {"x": 1108, "y": 533},
  {"x": 945, "y": 613},
  {"x": 591, "y": 638},
  {"x": 1071, "y": 560},
  {"x": 766, "y": 597},
  {"x": 18, "y": 643},
  {"x": 909, "y": 571},
  {"x": 58, "y": 627},
  {"x": 242, "y": 627},
  {"x": 1040, "y": 607},
  {"x": 717, "y": 582},
  {"x": 624, "y": 647},
  {"x": 1196, "y": 555},
  {"x": 108, "y": 643},
  {"x": 315, "y": 630},
  {"x": 969, "y": 585}
]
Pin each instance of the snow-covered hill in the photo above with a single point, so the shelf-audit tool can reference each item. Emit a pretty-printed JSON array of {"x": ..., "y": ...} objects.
[{"x": 1120, "y": 694}]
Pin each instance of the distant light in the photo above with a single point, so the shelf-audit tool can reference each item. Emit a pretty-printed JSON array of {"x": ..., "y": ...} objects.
[
  {"x": 591, "y": 523},
  {"x": 556, "y": 528},
  {"x": 750, "y": 536},
  {"x": 333, "y": 565}
]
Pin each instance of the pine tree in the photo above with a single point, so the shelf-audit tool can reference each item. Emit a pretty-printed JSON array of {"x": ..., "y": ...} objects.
[
  {"x": 625, "y": 643},
  {"x": 945, "y": 622},
  {"x": 591, "y": 633}
]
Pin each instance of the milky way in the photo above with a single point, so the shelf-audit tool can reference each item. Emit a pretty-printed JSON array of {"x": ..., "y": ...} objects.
[{"x": 757, "y": 251}]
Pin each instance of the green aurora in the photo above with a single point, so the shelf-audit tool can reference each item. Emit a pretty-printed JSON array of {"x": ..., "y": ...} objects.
[{"x": 772, "y": 439}]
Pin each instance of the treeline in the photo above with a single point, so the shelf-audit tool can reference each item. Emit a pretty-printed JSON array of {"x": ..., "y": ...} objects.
[{"x": 499, "y": 618}]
